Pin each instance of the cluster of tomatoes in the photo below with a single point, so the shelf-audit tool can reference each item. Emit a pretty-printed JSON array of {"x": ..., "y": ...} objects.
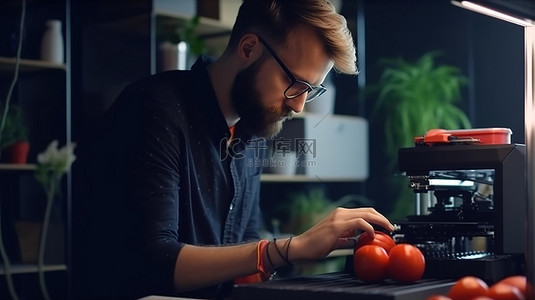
[
  {"x": 473, "y": 288},
  {"x": 377, "y": 258}
]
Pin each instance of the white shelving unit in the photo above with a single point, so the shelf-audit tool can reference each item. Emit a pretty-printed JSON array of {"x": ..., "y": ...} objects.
[
  {"x": 328, "y": 148},
  {"x": 42, "y": 90}
]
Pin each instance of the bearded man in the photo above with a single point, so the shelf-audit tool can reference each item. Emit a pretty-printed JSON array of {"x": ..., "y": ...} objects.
[{"x": 174, "y": 207}]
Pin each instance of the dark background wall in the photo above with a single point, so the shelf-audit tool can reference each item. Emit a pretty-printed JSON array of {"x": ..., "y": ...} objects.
[{"x": 488, "y": 51}]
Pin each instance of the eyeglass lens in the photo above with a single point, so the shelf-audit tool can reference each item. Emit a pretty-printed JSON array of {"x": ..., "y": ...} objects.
[{"x": 298, "y": 88}]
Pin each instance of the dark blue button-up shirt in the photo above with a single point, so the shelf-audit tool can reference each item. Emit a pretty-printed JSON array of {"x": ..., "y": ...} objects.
[{"x": 165, "y": 175}]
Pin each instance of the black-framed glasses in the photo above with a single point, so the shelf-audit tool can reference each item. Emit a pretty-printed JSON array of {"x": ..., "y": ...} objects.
[{"x": 297, "y": 87}]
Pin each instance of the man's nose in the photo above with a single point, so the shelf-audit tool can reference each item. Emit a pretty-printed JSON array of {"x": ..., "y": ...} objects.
[{"x": 298, "y": 103}]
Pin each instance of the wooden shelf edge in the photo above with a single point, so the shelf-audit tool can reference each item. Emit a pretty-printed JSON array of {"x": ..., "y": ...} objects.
[
  {"x": 32, "y": 268},
  {"x": 17, "y": 167},
  {"x": 26, "y": 65},
  {"x": 305, "y": 178},
  {"x": 305, "y": 114},
  {"x": 202, "y": 20},
  {"x": 207, "y": 27},
  {"x": 340, "y": 252}
]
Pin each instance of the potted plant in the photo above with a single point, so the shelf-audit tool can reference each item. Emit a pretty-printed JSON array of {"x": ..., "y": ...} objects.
[
  {"x": 170, "y": 35},
  {"x": 13, "y": 136},
  {"x": 412, "y": 98},
  {"x": 306, "y": 209}
]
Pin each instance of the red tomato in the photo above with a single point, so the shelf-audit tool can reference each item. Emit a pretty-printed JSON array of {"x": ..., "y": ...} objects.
[
  {"x": 504, "y": 291},
  {"x": 370, "y": 263},
  {"x": 438, "y": 297},
  {"x": 482, "y": 298},
  {"x": 468, "y": 287},
  {"x": 381, "y": 239},
  {"x": 518, "y": 281},
  {"x": 407, "y": 263}
]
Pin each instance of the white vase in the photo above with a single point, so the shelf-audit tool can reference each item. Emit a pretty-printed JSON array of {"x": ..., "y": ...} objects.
[
  {"x": 52, "y": 43},
  {"x": 175, "y": 56},
  {"x": 168, "y": 56}
]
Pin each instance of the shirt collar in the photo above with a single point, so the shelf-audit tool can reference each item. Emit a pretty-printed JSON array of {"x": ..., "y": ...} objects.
[
  {"x": 207, "y": 96},
  {"x": 206, "y": 90}
]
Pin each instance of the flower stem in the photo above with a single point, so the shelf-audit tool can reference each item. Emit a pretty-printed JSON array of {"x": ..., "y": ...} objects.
[
  {"x": 7, "y": 265},
  {"x": 50, "y": 193}
]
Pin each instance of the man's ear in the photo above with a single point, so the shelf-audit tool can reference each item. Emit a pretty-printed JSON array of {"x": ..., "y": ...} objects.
[{"x": 249, "y": 48}]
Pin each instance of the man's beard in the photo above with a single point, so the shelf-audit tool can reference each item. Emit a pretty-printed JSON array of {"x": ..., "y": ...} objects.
[{"x": 255, "y": 118}]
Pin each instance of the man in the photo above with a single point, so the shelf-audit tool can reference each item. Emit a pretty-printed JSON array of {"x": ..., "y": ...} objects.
[{"x": 176, "y": 210}]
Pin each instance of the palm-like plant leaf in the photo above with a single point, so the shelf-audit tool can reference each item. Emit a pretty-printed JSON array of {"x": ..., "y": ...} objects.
[{"x": 414, "y": 97}]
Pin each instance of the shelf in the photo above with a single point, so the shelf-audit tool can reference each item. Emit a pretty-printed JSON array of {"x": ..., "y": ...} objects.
[
  {"x": 7, "y": 64},
  {"x": 31, "y": 268},
  {"x": 17, "y": 167},
  {"x": 207, "y": 27},
  {"x": 306, "y": 114},
  {"x": 341, "y": 252},
  {"x": 304, "y": 178}
]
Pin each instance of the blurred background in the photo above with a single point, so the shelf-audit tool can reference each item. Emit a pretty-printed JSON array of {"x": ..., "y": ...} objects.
[{"x": 466, "y": 71}]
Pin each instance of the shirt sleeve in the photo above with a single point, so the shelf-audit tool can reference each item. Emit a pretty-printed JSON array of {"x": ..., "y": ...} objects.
[{"x": 156, "y": 185}]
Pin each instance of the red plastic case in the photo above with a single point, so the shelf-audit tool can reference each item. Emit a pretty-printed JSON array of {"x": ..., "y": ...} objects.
[{"x": 486, "y": 136}]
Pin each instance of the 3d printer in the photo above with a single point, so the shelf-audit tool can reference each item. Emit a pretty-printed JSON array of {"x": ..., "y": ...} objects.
[
  {"x": 470, "y": 191},
  {"x": 470, "y": 186}
]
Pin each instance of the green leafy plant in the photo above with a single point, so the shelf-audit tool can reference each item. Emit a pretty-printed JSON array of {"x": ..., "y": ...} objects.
[
  {"x": 412, "y": 98},
  {"x": 305, "y": 209},
  {"x": 14, "y": 129},
  {"x": 189, "y": 35},
  {"x": 186, "y": 32},
  {"x": 418, "y": 96}
]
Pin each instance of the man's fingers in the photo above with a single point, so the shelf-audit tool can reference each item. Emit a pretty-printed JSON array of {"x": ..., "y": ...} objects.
[
  {"x": 346, "y": 243},
  {"x": 359, "y": 223},
  {"x": 367, "y": 213}
]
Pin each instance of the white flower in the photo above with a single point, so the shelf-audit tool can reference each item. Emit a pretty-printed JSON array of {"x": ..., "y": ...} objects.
[
  {"x": 57, "y": 160},
  {"x": 46, "y": 156},
  {"x": 52, "y": 164}
]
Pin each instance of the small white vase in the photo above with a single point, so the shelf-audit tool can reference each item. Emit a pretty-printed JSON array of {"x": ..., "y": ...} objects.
[
  {"x": 52, "y": 43},
  {"x": 175, "y": 56}
]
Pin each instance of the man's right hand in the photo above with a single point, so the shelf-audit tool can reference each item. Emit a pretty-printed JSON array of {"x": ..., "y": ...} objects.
[{"x": 334, "y": 232}]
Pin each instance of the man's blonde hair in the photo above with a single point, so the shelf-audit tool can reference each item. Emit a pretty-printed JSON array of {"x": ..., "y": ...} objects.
[{"x": 275, "y": 19}]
